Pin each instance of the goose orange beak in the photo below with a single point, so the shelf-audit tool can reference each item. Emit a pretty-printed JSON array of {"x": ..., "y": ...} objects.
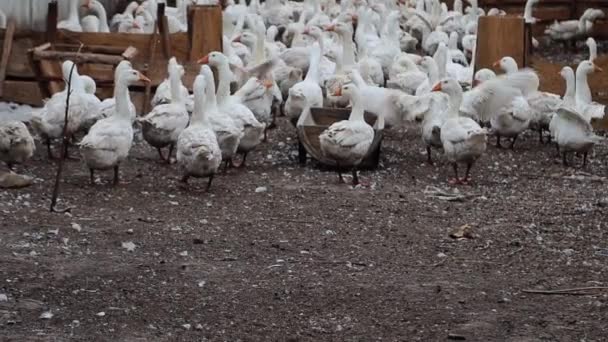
[
  {"x": 143, "y": 78},
  {"x": 496, "y": 64},
  {"x": 337, "y": 91},
  {"x": 475, "y": 83},
  {"x": 597, "y": 68},
  {"x": 306, "y": 31},
  {"x": 437, "y": 87},
  {"x": 268, "y": 84},
  {"x": 237, "y": 39},
  {"x": 204, "y": 60},
  {"x": 330, "y": 28},
  {"x": 136, "y": 25},
  {"x": 87, "y": 4}
]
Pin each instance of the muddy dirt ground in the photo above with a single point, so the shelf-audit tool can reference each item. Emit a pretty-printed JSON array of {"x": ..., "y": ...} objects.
[{"x": 310, "y": 259}]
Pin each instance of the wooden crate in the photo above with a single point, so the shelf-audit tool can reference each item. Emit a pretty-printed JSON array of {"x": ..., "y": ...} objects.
[{"x": 204, "y": 36}]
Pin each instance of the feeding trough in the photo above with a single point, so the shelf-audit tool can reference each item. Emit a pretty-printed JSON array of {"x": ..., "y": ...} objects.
[{"x": 314, "y": 121}]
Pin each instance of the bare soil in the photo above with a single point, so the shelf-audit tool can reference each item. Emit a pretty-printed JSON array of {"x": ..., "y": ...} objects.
[{"x": 310, "y": 259}]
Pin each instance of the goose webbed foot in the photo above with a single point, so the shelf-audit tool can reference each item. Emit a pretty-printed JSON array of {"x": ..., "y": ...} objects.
[{"x": 456, "y": 179}]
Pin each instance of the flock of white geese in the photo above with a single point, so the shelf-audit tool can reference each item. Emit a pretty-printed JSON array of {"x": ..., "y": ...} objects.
[{"x": 401, "y": 60}]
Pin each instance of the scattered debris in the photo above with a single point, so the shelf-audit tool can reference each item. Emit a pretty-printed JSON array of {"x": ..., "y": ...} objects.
[
  {"x": 454, "y": 196},
  {"x": 100, "y": 314},
  {"x": 261, "y": 189},
  {"x": 11, "y": 180},
  {"x": 463, "y": 232},
  {"x": 76, "y": 227},
  {"x": 46, "y": 315},
  {"x": 129, "y": 246}
]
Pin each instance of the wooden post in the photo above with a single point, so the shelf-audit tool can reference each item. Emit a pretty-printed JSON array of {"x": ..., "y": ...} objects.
[
  {"x": 499, "y": 37},
  {"x": 6, "y": 52},
  {"x": 204, "y": 30},
  {"x": 51, "y": 22},
  {"x": 163, "y": 29}
]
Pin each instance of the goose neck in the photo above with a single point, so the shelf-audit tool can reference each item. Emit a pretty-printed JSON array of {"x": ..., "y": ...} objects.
[
  {"x": 103, "y": 17},
  {"x": 583, "y": 93},
  {"x": 175, "y": 85},
  {"x": 455, "y": 100},
  {"x": 122, "y": 98},
  {"x": 73, "y": 10},
  {"x": 223, "y": 87},
  {"x": 570, "y": 87},
  {"x": 358, "y": 111},
  {"x": 348, "y": 50}
]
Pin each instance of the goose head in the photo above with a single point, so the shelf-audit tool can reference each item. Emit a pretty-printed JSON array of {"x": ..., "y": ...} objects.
[
  {"x": 587, "y": 67},
  {"x": 215, "y": 59},
  {"x": 448, "y": 86},
  {"x": 130, "y": 76},
  {"x": 567, "y": 73},
  {"x": 507, "y": 64},
  {"x": 348, "y": 90},
  {"x": 483, "y": 75},
  {"x": 89, "y": 84},
  {"x": 67, "y": 68},
  {"x": 343, "y": 29},
  {"x": 247, "y": 38}
]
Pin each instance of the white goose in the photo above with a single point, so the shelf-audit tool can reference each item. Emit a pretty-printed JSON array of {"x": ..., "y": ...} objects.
[
  {"x": 109, "y": 140},
  {"x": 228, "y": 133},
  {"x": 542, "y": 104},
  {"x": 107, "y": 107},
  {"x": 584, "y": 104},
  {"x": 308, "y": 92},
  {"x": 164, "y": 91},
  {"x": 72, "y": 23},
  {"x": 347, "y": 142},
  {"x": 198, "y": 152},
  {"x": 463, "y": 140},
  {"x": 16, "y": 143},
  {"x": 405, "y": 75},
  {"x": 127, "y": 14},
  {"x": 48, "y": 122},
  {"x": 573, "y": 133},
  {"x": 164, "y": 123},
  {"x": 253, "y": 130},
  {"x": 571, "y": 29},
  {"x": 97, "y": 22},
  {"x": 568, "y": 100}
]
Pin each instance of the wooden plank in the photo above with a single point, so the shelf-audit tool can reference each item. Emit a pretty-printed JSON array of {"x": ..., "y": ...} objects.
[
  {"x": 499, "y": 37},
  {"x": 51, "y": 21},
  {"x": 205, "y": 30},
  {"x": 26, "y": 92},
  {"x": 7, "y": 48},
  {"x": 163, "y": 29},
  {"x": 77, "y": 57}
]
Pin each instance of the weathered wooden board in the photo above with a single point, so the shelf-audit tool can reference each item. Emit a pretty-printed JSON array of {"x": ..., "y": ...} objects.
[
  {"x": 26, "y": 92},
  {"x": 207, "y": 36},
  {"x": 499, "y": 37}
]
